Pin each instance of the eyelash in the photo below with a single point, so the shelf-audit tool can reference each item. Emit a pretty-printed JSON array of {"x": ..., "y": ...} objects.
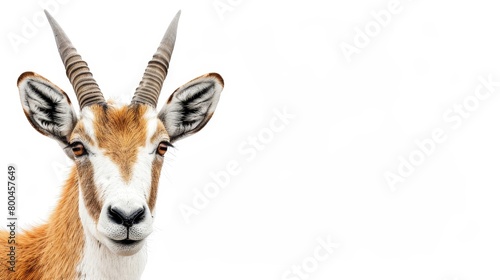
[
  {"x": 74, "y": 145},
  {"x": 161, "y": 152}
]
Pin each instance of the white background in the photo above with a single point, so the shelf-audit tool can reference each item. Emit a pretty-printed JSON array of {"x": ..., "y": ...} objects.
[{"x": 323, "y": 175}]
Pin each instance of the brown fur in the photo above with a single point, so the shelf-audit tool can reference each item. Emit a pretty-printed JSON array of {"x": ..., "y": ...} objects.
[
  {"x": 155, "y": 177},
  {"x": 53, "y": 250},
  {"x": 89, "y": 190},
  {"x": 157, "y": 164},
  {"x": 121, "y": 145},
  {"x": 112, "y": 127},
  {"x": 50, "y": 251}
]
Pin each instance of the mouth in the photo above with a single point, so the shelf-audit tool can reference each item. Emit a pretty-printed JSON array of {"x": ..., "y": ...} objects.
[
  {"x": 126, "y": 242},
  {"x": 125, "y": 247}
]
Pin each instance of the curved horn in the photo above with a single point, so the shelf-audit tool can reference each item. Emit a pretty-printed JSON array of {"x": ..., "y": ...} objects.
[
  {"x": 86, "y": 89},
  {"x": 149, "y": 88}
]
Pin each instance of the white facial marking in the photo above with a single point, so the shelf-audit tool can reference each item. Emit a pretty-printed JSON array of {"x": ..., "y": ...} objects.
[
  {"x": 152, "y": 120},
  {"x": 87, "y": 118},
  {"x": 114, "y": 192}
]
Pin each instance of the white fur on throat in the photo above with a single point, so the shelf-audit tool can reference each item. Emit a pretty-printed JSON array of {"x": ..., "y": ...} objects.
[{"x": 98, "y": 262}]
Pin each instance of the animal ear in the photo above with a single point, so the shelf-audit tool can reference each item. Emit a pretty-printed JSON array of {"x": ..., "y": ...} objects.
[
  {"x": 46, "y": 106},
  {"x": 191, "y": 106}
]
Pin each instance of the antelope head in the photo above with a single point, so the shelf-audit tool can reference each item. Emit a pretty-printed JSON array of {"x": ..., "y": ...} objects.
[{"x": 118, "y": 150}]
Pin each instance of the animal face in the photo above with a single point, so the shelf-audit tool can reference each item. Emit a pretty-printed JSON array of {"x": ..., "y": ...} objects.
[
  {"x": 118, "y": 150},
  {"x": 119, "y": 154}
]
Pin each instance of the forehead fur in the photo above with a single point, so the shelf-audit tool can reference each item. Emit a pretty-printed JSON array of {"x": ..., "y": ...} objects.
[{"x": 119, "y": 132}]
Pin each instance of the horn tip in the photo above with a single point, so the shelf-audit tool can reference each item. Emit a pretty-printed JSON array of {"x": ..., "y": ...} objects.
[
  {"x": 51, "y": 20},
  {"x": 48, "y": 15},
  {"x": 176, "y": 17}
]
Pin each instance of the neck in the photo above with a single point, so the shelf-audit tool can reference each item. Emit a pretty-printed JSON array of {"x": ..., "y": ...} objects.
[
  {"x": 62, "y": 249},
  {"x": 52, "y": 250}
]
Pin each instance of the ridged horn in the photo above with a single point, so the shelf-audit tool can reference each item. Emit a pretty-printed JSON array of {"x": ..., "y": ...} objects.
[
  {"x": 149, "y": 88},
  {"x": 86, "y": 88}
]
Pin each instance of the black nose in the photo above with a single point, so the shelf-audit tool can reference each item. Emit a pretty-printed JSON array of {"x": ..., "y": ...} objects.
[{"x": 118, "y": 216}]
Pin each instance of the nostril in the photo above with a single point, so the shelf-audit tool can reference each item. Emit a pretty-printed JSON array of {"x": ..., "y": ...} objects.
[
  {"x": 138, "y": 215},
  {"x": 119, "y": 217},
  {"x": 116, "y": 215}
]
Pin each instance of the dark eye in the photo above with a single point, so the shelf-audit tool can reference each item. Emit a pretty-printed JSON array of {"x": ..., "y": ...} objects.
[
  {"x": 162, "y": 148},
  {"x": 78, "y": 149}
]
